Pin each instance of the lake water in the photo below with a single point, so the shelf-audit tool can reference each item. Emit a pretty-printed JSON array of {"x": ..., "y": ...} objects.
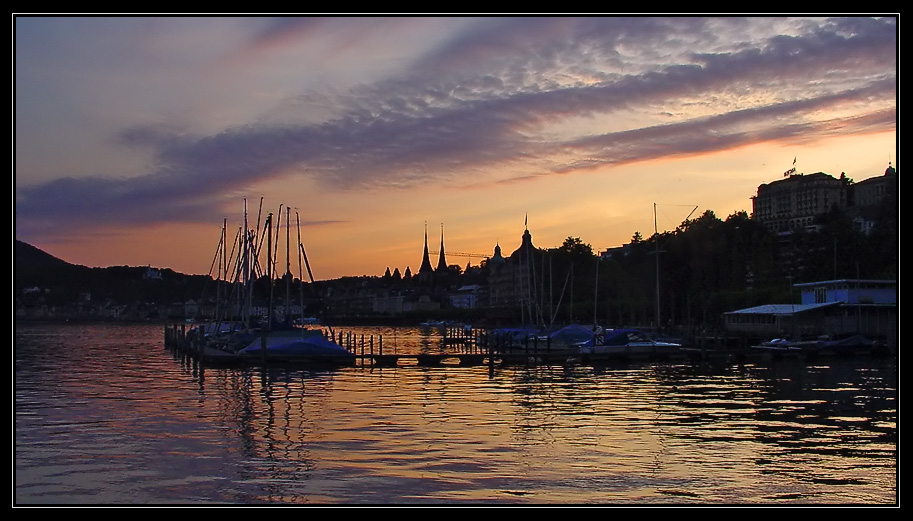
[{"x": 105, "y": 415}]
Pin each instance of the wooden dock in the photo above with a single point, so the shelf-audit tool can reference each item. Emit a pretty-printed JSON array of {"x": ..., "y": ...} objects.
[
  {"x": 466, "y": 349},
  {"x": 461, "y": 348}
]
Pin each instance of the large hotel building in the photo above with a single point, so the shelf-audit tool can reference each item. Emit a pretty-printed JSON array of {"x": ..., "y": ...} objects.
[{"x": 794, "y": 202}]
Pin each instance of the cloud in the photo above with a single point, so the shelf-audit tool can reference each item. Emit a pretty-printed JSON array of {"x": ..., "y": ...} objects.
[{"x": 495, "y": 95}]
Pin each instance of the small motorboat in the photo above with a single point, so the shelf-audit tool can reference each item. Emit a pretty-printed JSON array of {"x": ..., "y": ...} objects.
[{"x": 629, "y": 343}]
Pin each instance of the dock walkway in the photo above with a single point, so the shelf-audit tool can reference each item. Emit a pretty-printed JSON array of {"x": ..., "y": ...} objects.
[
  {"x": 465, "y": 349},
  {"x": 459, "y": 348}
]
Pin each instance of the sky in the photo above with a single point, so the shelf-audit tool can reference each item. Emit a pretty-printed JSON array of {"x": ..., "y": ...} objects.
[{"x": 137, "y": 137}]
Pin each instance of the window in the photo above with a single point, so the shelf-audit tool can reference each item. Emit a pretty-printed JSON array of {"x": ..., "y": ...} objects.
[{"x": 820, "y": 295}]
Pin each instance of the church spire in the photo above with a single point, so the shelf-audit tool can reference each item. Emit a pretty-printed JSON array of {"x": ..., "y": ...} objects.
[
  {"x": 426, "y": 261},
  {"x": 442, "y": 262}
]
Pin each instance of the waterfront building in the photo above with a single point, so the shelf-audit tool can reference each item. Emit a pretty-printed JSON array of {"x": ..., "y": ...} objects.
[
  {"x": 876, "y": 190},
  {"x": 830, "y": 307},
  {"x": 511, "y": 281},
  {"x": 870, "y": 198},
  {"x": 466, "y": 297},
  {"x": 794, "y": 202}
]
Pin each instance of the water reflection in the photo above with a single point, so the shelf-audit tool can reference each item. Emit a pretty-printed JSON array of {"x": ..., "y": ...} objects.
[{"x": 106, "y": 415}]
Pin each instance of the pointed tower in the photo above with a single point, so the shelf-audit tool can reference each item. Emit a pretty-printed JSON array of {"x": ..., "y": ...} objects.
[
  {"x": 426, "y": 261},
  {"x": 442, "y": 262}
]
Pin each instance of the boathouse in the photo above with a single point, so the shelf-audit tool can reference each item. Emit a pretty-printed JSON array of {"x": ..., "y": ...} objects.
[{"x": 831, "y": 307}]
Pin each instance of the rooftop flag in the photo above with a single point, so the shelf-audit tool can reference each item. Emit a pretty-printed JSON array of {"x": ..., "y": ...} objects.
[{"x": 791, "y": 170}]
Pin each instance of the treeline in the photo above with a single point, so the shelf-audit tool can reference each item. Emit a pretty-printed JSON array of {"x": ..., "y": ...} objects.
[
  {"x": 708, "y": 266},
  {"x": 687, "y": 277},
  {"x": 42, "y": 279}
]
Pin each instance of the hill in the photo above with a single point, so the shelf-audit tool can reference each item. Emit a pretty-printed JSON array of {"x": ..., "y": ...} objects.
[
  {"x": 40, "y": 276},
  {"x": 35, "y": 267},
  {"x": 27, "y": 254}
]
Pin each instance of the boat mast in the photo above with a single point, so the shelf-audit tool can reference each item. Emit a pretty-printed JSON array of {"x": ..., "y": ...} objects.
[
  {"x": 596, "y": 291},
  {"x": 529, "y": 289},
  {"x": 659, "y": 323},
  {"x": 656, "y": 245},
  {"x": 269, "y": 269},
  {"x": 300, "y": 275},
  {"x": 311, "y": 276},
  {"x": 288, "y": 266},
  {"x": 245, "y": 266},
  {"x": 221, "y": 273},
  {"x": 275, "y": 249}
]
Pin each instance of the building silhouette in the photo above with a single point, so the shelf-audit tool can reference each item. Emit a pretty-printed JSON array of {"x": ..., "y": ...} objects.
[
  {"x": 794, "y": 202},
  {"x": 442, "y": 261},
  {"x": 425, "y": 271},
  {"x": 428, "y": 275},
  {"x": 511, "y": 282}
]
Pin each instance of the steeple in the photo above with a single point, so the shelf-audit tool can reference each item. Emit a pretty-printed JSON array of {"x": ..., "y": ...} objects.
[
  {"x": 442, "y": 262},
  {"x": 426, "y": 261},
  {"x": 497, "y": 259}
]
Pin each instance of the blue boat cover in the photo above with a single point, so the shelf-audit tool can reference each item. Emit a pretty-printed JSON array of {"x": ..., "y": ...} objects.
[{"x": 290, "y": 346}]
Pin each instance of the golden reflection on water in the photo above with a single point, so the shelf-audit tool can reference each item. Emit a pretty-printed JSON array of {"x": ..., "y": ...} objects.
[{"x": 648, "y": 433}]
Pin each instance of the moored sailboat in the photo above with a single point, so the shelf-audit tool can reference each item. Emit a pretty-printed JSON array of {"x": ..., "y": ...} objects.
[{"x": 240, "y": 328}]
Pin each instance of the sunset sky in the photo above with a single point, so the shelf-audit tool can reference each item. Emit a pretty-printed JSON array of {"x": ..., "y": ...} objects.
[{"x": 136, "y": 137}]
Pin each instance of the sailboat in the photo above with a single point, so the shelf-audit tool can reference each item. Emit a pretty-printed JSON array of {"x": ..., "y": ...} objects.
[
  {"x": 241, "y": 331},
  {"x": 659, "y": 322}
]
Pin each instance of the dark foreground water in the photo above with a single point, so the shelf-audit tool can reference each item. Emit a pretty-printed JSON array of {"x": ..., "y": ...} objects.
[{"x": 106, "y": 415}]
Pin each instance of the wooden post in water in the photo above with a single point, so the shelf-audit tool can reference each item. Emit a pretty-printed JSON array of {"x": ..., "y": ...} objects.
[
  {"x": 491, "y": 357},
  {"x": 263, "y": 345}
]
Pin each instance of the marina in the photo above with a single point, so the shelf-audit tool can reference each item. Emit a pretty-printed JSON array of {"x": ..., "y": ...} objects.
[
  {"x": 385, "y": 260},
  {"x": 470, "y": 347},
  {"x": 248, "y": 323}
]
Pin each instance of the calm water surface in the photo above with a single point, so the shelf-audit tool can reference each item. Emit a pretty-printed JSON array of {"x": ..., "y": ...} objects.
[{"x": 106, "y": 415}]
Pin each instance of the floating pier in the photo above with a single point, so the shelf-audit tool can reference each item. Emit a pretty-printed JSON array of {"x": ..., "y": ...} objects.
[
  {"x": 469, "y": 347},
  {"x": 460, "y": 347}
]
